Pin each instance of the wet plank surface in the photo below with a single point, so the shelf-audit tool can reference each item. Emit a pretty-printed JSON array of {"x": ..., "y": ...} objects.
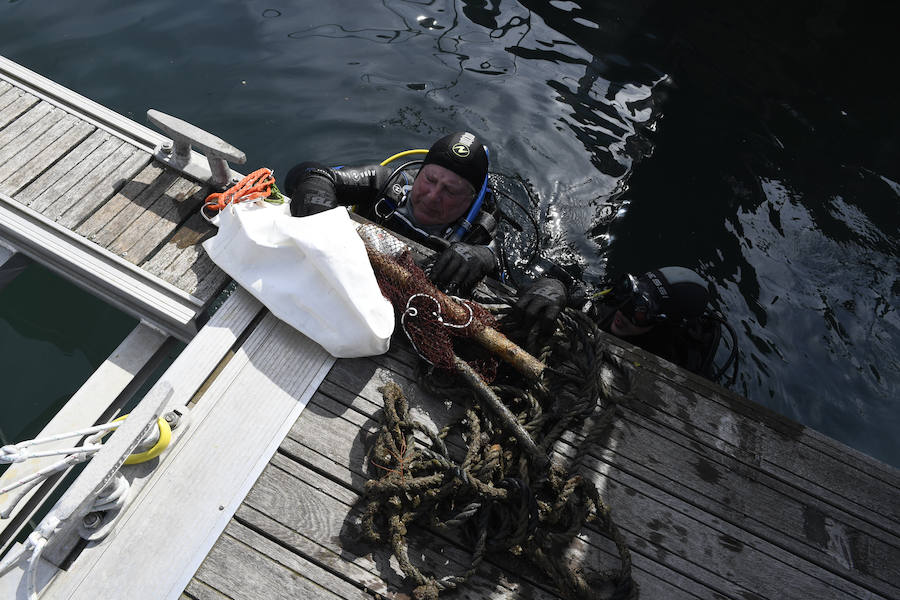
[
  {"x": 716, "y": 496},
  {"x": 98, "y": 184}
]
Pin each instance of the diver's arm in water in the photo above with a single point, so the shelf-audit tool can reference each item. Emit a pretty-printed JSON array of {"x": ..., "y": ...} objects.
[
  {"x": 550, "y": 289},
  {"x": 313, "y": 187}
]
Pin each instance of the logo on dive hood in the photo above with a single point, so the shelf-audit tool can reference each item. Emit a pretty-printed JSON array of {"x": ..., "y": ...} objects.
[{"x": 461, "y": 148}]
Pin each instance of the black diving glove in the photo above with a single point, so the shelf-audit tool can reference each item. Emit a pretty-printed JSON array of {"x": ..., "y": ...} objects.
[
  {"x": 542, "y": 302},
  {"x": 311, "y": 189},
  {"x": 460, "y": 266}
]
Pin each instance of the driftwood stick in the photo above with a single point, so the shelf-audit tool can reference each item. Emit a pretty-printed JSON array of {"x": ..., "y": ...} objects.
[
  {"x": 507, "y": 419},
  {"x": 488, "y": 337}
]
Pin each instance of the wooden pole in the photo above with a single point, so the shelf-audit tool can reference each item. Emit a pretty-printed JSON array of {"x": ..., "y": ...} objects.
[{"x": 488, "y": 337}]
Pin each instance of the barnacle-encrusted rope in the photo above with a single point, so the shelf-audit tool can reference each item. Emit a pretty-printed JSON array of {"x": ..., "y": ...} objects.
[{"x": 491, "y": 489}]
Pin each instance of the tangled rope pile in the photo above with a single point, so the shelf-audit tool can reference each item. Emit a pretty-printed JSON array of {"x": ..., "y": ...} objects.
[{"x": 488, "y": 490}]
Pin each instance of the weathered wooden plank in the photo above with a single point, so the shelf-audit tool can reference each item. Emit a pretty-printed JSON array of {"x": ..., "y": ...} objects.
[
  {"x": 97, "y": 187},
  {"x": 197, "y": 590},
  {"x": 828, "y": 467},
  {"x": 157, "y": 223},
  {"x": 736, "y": 533},
  {"x": 132, "y": 211},
  {"x": 31, "y": 160},
  {"x": 771, "y": 509},
  {"x": 34, "y": 139},
  {"x": 685, "y": 536},
  {"x": 753, "y": 513},
  {"x": 238, "y": 569},
  {"x": 330, "y": 443},
  {"x": 317, "y": 518},
  {"x": 656, "y": 581},
  {"x": 642, "y": 542},
  {"x": 4, "y": 88},
  {"x": 721, "y": 457},
  {"x": 777, "y": 446},
  {"x": 204, "y": 278},
  {"x": 43, "y": 191},
  {"x": 46, "y": 157},
  {"x": 21, "y": 103},
  {"x": 118, "y": 212},
  {"x": 17, "y": 137},
  {"x": 180, "y": 252},
  {"x": 183, "y": 262}
]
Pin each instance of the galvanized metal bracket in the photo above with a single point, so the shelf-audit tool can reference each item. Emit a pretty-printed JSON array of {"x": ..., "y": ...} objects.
[
  {"x": 101, "y": 272},
  {"x": 178, "y": 153}
]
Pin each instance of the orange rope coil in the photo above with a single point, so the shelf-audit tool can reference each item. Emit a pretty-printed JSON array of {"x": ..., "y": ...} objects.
[{"x": 258, "y": 184}]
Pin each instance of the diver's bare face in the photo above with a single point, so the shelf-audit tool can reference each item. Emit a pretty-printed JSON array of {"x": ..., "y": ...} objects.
[
  {"x": 622, "y": 326},
  {"x": 440, "y": 196}
]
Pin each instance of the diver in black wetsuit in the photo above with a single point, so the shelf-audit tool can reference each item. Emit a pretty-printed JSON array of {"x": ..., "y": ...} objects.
[
  {"x": 663, "y": 311},
  {"x": 444, "y": 202}
]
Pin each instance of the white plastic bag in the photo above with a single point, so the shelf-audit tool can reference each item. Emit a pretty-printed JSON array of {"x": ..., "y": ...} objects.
[{"x": 311, "y": 272}]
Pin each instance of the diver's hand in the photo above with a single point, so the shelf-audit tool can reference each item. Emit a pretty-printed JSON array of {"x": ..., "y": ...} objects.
[
  {"x": 460, "y": 266},
  {"x": 310, "y": 186},
  {"x": 541, "y": 302}
]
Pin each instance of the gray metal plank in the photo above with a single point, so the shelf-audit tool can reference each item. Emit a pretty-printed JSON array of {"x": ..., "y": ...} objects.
[
  {"x": 145, "y": 233},
  {"x": 97, "y": 188},
  {"x": 215, "y": 463},
  {"x": 46, "y": 157},
  {"x": 44, "y": 190},
  {"x": 20, "y": 104},
  {"x": 104, "y": 274},
  {"x": 83, "y": 409}
]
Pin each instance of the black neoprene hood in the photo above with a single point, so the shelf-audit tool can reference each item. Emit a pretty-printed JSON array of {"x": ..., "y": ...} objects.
[
  {"x": 464, "y": 154},
  {"x": 677, "y": 291}
]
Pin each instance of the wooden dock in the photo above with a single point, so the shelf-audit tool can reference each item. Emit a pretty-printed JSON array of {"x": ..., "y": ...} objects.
[
  {"x": 717, "y": 498},
  {"x": 83, "y": 191},
  {"x": 259, "y": 495}
]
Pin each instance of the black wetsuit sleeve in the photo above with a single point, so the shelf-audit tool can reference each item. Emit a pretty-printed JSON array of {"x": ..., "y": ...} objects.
[
  {"x": 576, "y": 290},
  {"x": 313, "y": 187}
]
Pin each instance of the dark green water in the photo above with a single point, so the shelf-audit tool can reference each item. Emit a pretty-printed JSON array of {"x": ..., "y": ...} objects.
[
  {"x": 53, "y": 336},
  {"x": 755, "y": 143}
]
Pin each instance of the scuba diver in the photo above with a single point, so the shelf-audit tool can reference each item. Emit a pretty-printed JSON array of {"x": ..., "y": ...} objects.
[
  {"x": 664, "y": 311},
  {"x": 443, "y": 202}
]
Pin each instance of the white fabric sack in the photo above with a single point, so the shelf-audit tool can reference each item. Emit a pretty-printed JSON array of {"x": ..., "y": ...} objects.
[{"x": 311, "y": 272}]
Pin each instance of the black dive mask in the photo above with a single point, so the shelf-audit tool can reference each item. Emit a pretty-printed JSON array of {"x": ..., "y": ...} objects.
[{"x": 638, "y": 302}]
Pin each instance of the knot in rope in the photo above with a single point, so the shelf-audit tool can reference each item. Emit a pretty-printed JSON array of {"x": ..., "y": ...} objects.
[{"x": 12, "y": 454}]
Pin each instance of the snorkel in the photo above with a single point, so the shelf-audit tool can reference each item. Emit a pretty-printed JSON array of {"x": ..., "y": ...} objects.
[{"x": 466, "y": 225}]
